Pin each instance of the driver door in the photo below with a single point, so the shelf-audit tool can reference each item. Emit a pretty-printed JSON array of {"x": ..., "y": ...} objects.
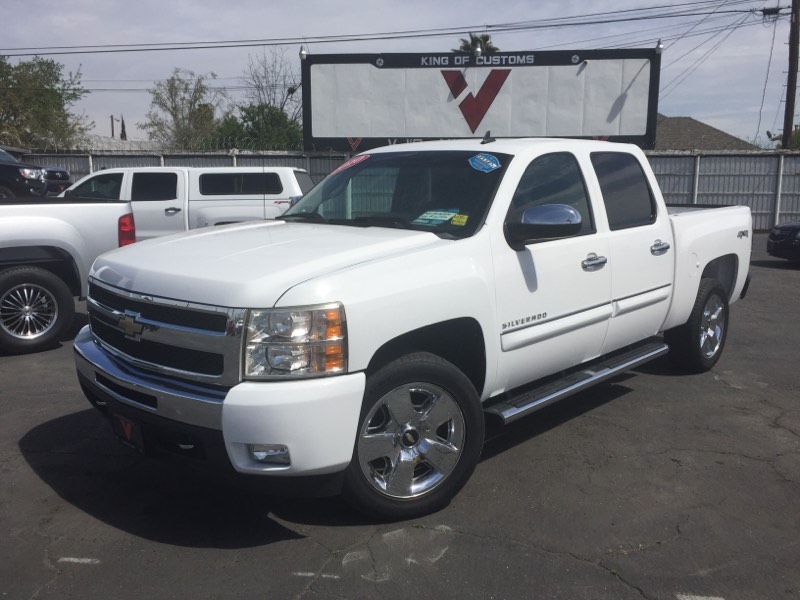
[{"x": 554, "y": 296}]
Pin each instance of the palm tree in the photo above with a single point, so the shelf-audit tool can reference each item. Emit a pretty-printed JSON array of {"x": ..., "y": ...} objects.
[{"x": 484, "y": 40}]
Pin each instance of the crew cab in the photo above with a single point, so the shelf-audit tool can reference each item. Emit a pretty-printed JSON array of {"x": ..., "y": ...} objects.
[
  {"x": 173, "y": 199},
  {"x": 46, "y": 249},
  {"x": 362, "y": 338}
]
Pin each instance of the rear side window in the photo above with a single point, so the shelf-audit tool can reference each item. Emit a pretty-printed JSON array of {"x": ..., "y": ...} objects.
[
  {"x": 154, "y": 186},
  {"x": 626, "y": 193},
  {"x": 239, "y": 184}
]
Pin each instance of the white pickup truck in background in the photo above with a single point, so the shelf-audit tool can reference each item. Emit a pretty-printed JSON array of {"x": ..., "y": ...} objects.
[
  {"x": 47, "y": 246},
  {"x": 169, "y": 200},
  {"x": 416, "y": 290}
]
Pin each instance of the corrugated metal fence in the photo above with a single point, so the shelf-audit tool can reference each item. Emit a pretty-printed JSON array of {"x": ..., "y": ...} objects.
[{"x": 767, "y": 182}]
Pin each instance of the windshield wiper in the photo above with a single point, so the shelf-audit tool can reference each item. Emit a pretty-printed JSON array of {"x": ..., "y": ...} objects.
[
  {"x": 382, "y": 221},
  {"x": 312, "y": 217}
]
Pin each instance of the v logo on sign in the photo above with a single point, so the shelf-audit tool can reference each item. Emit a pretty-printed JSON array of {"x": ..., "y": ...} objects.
[{"x": 475, "y": 107}]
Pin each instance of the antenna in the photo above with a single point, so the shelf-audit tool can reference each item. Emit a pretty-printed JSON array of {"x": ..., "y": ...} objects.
[{"x": 487, "y": 138}]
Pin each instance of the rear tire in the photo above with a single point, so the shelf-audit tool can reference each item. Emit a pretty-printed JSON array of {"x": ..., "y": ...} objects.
[
  {"x": 36, "y": 307},
  {"x": 697, "y": 345},
  {"x": 419, "y": 438}
]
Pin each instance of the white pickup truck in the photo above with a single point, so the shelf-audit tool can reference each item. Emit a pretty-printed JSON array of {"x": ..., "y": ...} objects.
[
  {"x": 363, "y": 336},
  {"x": 174, "y": 199},
  {"x": 47, "y": 246}
]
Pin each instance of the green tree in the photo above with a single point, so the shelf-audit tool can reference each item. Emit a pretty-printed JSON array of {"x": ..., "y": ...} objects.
[
  {"x": 183, "y": 110},
  {"x": 35, "y": 101},
  {"x": 260, "y": 127},
  {"x": 483, "y": 39}
]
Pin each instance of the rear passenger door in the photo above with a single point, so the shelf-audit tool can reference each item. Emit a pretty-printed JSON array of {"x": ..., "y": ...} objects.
[
  {"x": 641, "y": 253},
  {"x": 157, "y": 201}
]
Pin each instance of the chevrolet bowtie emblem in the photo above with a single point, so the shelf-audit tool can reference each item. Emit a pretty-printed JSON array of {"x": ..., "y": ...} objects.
[{"x": 130, "y": 327}]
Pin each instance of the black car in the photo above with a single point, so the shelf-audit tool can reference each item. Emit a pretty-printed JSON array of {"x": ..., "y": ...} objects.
[
  {"x": 784, "y": 241},
  {"x": 23, "y": 179}
]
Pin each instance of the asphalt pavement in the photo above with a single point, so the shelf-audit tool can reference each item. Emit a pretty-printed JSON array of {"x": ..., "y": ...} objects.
[{"x": 657, "y": 485}]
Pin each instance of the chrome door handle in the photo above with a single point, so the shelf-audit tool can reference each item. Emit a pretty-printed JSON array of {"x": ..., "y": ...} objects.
[
  {"x": 658, "y": 248},
  {"x": 171, "y": 210},
  {"x": 594, "y": 262}
]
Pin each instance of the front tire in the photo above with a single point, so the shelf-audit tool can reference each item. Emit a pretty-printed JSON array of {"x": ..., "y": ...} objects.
[
  {"x": 6, "y": 195},
  {"x": 419, "y": 438},
  {"x": 36, "y": 307},
  {"x": 697, "y": 345}
]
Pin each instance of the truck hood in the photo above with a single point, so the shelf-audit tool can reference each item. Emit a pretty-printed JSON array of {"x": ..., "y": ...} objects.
[{"x": 248, "y": 265}]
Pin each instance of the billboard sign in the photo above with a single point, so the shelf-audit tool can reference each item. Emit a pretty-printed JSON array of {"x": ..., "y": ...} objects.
[{"x": 353, "y": 102}]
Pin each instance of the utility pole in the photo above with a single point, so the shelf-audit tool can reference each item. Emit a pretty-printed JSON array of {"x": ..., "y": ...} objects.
[{"x": 791, "y": 80}]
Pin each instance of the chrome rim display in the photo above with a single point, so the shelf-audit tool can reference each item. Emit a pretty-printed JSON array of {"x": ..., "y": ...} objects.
[
  {"x": 411, "y": 441},
  {"x": 712, "y": 326},
  {"x": 28, "y": 311}
]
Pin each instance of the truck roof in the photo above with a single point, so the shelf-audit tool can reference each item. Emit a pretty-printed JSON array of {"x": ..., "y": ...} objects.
[{"x": 504, "y": 145}]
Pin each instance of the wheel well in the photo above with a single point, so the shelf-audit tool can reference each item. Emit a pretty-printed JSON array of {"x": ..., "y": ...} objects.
[
  {"x": 55, "y": 260},
  {"x": 459, "y": 341},
  {"x": 724, "y": 270}
]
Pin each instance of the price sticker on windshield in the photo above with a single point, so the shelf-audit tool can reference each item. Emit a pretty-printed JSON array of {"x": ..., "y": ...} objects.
[{"x": 435, "y": 217}]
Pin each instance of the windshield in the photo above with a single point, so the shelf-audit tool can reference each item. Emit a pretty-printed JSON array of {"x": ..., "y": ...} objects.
[
  {"x": 444, "y": 192},
  {"x": 6, "y": 157}
]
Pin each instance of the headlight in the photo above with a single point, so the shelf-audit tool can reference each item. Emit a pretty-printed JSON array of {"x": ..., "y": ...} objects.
[
  {"x": 32, "y": 173},
  {"x": 303, "y": 341}
]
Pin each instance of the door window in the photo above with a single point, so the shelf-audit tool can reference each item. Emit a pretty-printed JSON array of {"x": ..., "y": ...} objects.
[
  {"x": 105, "y": 185},
  {"x": 627, "y": 196},
  {"x": 553, "y": 179},
  {"x": 154, "y": 186}
]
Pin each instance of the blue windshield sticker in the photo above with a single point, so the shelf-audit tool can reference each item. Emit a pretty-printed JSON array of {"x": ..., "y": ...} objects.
[{"x": 484, "y": 162}]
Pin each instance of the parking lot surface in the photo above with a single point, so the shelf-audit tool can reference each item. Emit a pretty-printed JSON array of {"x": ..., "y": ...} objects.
[{"x": 657, "y": 485}]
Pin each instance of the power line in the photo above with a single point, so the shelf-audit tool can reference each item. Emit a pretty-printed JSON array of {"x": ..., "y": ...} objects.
[
  {"x": 677, "y": 81},
  {"x": 688, "y": 31},
  {"x": 766, "y": 78},
  {"x": 592, "y": 19}
]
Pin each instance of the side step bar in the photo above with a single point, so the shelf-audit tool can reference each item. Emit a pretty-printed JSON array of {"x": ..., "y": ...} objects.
[{"x": 516, "y": 404}]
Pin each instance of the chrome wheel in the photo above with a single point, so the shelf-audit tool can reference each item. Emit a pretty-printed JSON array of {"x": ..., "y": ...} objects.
[
  {"x": 28, "y": 311},
  {"x": 411, "y": 440},
  {"x": 712, "y": 326},
  {"x": 697, "y": 344}
]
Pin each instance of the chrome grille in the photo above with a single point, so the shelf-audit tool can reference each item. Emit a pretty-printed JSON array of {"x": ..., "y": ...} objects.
[{"x": 195, "y": 342}]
